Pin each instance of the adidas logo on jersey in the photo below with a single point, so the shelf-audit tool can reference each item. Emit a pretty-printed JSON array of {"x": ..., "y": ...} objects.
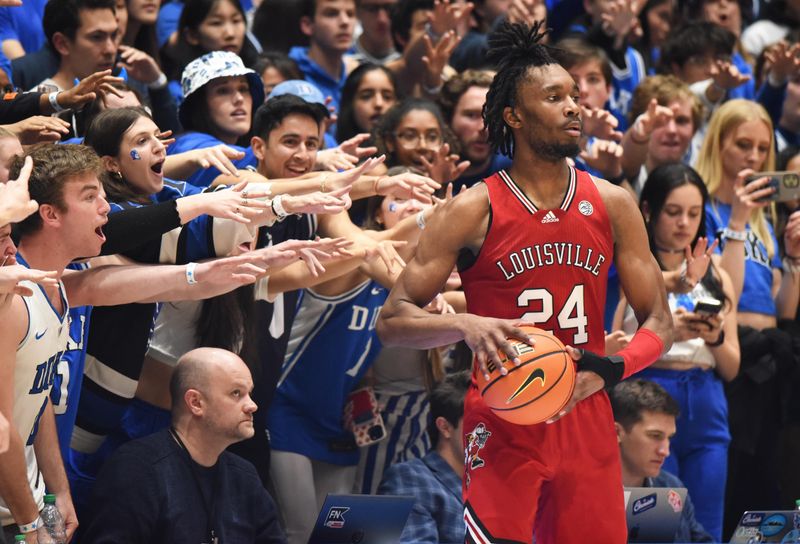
[{"x": 550, "y": 217}]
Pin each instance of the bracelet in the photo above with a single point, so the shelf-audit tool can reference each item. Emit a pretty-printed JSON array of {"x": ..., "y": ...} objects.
[
  {"x": 53, "y": 99},
  {"x": 684, "y": 278},
  {"x": 421, "y": 220},
  {"x": 791, "y": 265},
  {"x": 159, "y": 83},
  {"x": 322, "y": 184},
  {"x": 375, "y": 186},
  {"x": 190, "y": 276},
  {"x": 30, "y": 527},
  {"x": 278, "y": 209},
  {"x": 719, "y": 341},
  {"x": 719, "y": 88},
  {"x": 735, "y": 235},
  {"x": 432, "y": 34},
  {"x": 431, "y": 90}
]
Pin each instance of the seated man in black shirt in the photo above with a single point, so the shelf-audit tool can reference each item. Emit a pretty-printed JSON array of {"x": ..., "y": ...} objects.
[{"x": 180, "y": 485}]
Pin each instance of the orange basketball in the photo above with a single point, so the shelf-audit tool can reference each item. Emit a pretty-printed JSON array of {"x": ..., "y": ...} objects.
[{"x": 537, "y": 389}]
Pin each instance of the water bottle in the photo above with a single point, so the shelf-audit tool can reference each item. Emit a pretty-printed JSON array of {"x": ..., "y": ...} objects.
[
  {"x": 796, "y": 521},
  {"x": 52, "y": 521},
  {"x": 19, "y": 538}
]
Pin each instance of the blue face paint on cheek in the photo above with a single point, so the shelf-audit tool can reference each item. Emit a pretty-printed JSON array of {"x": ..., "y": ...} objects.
[
  {"x": 135, "y": 155},
  {"x": 392, "y": 206}
]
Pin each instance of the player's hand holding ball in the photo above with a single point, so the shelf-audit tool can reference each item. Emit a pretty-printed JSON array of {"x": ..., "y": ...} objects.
[
  {"x": 490, "y": 340},
  {"x": 533, "y": 383}
]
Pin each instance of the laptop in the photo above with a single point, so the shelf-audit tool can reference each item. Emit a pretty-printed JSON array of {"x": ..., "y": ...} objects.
[
  {"x": 653, "y": 513},
  {"x": 361, "y": 519},
  {"x": 766, "y": 526}
]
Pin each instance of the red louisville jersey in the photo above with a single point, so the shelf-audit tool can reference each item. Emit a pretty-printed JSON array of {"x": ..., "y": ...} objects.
[{"x": 547, "y": 267}]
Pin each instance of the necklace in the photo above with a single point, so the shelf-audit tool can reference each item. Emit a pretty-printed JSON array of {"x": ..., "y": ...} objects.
[
  {"x": 673, "y": 251},
  {"x": 208, "y": 508}
]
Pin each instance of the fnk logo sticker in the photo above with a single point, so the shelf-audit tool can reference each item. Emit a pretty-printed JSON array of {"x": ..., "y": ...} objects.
[{"x": 335, "y": 518}]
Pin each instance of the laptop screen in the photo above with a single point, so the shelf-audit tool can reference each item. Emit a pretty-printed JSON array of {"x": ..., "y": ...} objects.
[
  {"x": 766, "y": 526},
  {"x": 361, "y": 519}
]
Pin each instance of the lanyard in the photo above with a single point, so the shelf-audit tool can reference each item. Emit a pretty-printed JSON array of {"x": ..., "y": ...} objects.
[{"x": 208, "y": 508}]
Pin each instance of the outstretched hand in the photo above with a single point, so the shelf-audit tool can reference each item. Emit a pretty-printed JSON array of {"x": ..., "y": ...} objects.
[
  {"x": 15, "y": 200},
  {"x": 698, "y": 259},
  {"x": 87, "y": 90}
]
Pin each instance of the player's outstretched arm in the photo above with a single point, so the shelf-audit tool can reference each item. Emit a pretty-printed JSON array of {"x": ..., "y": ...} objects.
[
  {"x": 639, "y": 273},
  {"x": 643, "y": 284},
  {"x": 461, "y": 223}
]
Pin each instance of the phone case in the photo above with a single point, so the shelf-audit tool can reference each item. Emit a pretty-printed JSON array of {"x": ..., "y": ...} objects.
[
  {"x": 363, "y": 417},
  {"x": 786, "y": 185}
]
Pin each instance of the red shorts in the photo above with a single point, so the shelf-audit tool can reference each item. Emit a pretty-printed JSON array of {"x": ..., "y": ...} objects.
[{"x": 561, "y": 482}]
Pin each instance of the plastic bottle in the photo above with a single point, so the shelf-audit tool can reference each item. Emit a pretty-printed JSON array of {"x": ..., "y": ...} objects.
[
  {"x": 52, "y": 521},
  {"x": 19, "y": 538},
  {"x": 796, "y": 521}
]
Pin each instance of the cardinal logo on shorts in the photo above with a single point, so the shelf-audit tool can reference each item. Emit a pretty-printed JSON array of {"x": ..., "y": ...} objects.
[{"x": 476, "y": 440}]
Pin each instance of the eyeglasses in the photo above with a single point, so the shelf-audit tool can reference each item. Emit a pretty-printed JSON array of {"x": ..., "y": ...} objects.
[
  {"x": 375, "y": 8},
  {"x": 410, "y": 139}
]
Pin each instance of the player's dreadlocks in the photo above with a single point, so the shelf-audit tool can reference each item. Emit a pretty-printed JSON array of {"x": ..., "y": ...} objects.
[{"x": 513, "y": 48}]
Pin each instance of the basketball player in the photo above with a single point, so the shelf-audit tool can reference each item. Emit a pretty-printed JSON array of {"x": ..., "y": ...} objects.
[{"x": 533, "y": 244}]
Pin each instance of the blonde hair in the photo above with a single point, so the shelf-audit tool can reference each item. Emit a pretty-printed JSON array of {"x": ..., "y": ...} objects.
[{"x": 709, "y": 162}]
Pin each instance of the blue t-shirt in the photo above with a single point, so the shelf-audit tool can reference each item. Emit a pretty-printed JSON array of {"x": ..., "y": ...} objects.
[
  {"x": 199, "y": 140},
  {"x": 67, "y": 382},
  {"x": 746, "y": 90},
  {"x": 170, "y": 14},
  {"x": 757, "y": 288},
  {"x": 24, "y": 23},
  {"x": 624, "y": 81},
  {"x": 314, "y": 74},
  {"x": 331, "y": 345}
]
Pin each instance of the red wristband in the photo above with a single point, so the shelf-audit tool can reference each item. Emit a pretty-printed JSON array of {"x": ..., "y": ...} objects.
[{"x": 643, "y": 350}]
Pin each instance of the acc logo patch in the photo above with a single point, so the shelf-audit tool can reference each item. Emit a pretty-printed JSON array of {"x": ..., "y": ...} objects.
[
  {"x": 585, "y": 207},
  {"x": 335, "y": 517},
  {"x": 644, "y": 504}
]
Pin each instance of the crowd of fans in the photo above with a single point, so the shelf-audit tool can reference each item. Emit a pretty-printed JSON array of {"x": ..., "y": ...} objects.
[{"x": 227, "y": 191}]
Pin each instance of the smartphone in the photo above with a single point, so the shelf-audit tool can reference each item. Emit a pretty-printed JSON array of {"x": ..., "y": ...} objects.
[
  {"x": 363, "y": 417},
  {"x": 786, "y": 185},
  {"x": 707, "y": 306}
]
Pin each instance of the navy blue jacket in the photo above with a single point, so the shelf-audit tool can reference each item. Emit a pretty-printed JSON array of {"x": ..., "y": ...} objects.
[{"x": 146, "y": 493}]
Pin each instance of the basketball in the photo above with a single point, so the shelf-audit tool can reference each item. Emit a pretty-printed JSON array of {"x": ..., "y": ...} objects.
[{"x": 538, "y": 388}]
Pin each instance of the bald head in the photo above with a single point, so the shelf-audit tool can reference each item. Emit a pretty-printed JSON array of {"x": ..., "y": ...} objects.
[{"x": 199, "y": 368}]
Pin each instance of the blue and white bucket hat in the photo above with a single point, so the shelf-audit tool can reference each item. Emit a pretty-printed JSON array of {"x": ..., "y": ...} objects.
[{"x": 213, "y": 66}]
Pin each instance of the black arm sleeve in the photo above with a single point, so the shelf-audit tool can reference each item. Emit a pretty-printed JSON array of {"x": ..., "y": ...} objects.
[
  {"x": 21, "y": 107},
  {"x": 134, "y": 227}
]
